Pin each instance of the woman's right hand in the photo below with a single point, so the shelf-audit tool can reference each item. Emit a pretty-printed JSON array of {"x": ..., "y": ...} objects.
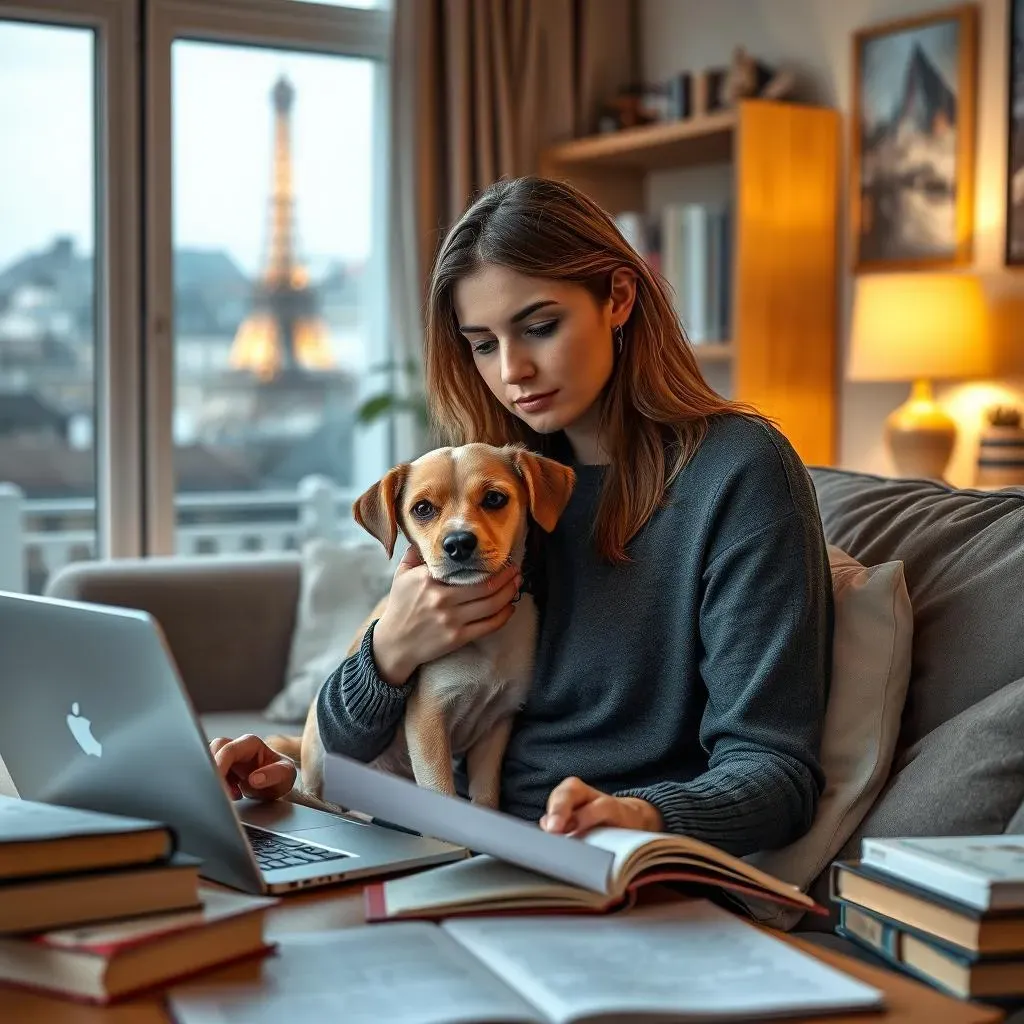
[
  {"x": 425, "y": 619},
  {"x": 250, "y": 768}
]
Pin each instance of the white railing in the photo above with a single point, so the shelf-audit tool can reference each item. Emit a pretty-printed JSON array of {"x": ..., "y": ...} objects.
[{"x": 39, "y": 537}]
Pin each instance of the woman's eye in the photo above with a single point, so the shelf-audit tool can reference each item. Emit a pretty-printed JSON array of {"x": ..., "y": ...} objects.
[
  {"x": 544, "y": 330},
  {"x": 495, "y": 499},
  {"x": 423, "y": 510},
  {"x": 483, "y": 348}
]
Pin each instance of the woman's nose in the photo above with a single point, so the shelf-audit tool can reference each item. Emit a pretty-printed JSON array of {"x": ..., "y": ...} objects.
[{"x": 515, "y": 364}]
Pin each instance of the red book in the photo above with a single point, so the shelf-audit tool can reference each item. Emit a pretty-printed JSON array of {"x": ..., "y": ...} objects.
[{"x": 105, "y": 962}]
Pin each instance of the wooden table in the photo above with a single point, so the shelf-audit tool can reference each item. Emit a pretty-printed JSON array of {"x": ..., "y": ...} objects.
[{"x": 341, "y": 907}]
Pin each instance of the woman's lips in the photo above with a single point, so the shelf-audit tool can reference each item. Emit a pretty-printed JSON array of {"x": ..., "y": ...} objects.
[{"x": 536, "y": 403}]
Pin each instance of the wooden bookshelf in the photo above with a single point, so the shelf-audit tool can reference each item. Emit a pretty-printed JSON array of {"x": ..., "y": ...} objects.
[
  {"x": 699, "y": 140},
  {"x": 785, "y": 157}
]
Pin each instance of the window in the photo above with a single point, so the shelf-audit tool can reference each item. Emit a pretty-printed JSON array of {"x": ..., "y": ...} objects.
[
  {"x": 47, "y": 300},
  {"x": 188, "y": 316},
  {"x": 272, "y": 170},
  {"x": 265, "y": 162}
]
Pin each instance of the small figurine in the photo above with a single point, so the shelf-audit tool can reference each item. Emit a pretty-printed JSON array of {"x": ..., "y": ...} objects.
[{"x": 748, "y": 77}]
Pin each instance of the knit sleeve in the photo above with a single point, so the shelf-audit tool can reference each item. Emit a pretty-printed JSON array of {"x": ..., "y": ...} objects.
[
  {"x": 357, "y": 711},
  {"x": 766, "y": 635}
]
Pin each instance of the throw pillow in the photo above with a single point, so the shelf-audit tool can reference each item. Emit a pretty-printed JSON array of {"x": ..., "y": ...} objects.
[
  {"x": 872, "y": 639},
  {"x": 964, "y": 778},
  {"x": 1016, "y": 826},
  {"x": 340, "y": 585}
]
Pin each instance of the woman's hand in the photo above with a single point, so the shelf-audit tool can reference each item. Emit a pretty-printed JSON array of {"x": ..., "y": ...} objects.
[
  {"x": 250, "y": 768},
  {"x": 574, "y": 808},
  {"x": 425, "y": 619}
]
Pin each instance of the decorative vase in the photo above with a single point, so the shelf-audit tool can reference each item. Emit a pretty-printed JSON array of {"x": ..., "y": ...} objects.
[{"x": 1001, "y": 450}]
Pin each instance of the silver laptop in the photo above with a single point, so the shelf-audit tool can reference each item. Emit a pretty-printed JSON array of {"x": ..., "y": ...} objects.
[{"x": 93, "y": 714}]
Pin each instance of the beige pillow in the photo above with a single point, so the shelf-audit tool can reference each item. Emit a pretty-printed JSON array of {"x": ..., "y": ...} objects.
[
  {"x": 873, "y": 634},
  {"x": 340, "y": 584}
]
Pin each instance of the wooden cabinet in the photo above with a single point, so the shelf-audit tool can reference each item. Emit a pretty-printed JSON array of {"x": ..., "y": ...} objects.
[{"x": 784, "y": 180}]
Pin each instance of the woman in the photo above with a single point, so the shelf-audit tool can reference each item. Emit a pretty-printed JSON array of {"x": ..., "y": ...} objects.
[{"x": 684, "y": 644}]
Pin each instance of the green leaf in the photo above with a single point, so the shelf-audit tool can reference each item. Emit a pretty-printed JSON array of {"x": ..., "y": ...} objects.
[{"x": 386, "y": 404}]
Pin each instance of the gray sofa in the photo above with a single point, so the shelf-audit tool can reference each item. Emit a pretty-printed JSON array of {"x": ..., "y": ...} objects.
[{"x": 959, "y": 766}]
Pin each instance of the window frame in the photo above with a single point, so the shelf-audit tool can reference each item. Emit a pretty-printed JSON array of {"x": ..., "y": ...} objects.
[{"x": 280, "y": 24}]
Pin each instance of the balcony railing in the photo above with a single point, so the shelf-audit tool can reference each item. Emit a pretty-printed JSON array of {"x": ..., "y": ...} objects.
[{"x": 39, "y": 537}]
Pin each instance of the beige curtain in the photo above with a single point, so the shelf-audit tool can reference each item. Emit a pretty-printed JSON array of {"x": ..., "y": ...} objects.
[{"x": 478, "y": 87}]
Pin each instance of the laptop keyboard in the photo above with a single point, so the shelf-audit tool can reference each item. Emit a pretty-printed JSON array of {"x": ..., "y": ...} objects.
[{"x": 274, "y": 851}]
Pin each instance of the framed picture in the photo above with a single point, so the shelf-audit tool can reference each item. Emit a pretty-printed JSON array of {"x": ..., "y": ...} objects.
[
  {"x": 1015, "y": 138},
  {"x": 912, "y": 151}
]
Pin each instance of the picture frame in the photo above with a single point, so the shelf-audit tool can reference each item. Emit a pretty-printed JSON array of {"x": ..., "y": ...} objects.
[
  {"x": 1014, "y": 220},
  {"x": 912, "y": 152}
]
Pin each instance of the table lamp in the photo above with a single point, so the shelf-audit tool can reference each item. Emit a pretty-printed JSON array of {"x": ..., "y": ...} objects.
[{"x": 918, "y": 328}]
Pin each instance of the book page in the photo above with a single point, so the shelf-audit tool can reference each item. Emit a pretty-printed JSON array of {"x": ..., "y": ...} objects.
[
  {"x": 399, "y": 973},
  {"x": 348, "y": 783},
  {"x": 478, "y": 880},
  {"x": 638, "y": 851},
  {"x": 673, "y": 962}
]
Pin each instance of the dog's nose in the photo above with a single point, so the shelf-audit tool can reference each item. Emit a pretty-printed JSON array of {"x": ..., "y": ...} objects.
[{"x": 460, "y": 545}]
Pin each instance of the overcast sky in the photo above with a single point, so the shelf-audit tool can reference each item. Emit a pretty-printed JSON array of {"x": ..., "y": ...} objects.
[{"x": 223, "y": 135}]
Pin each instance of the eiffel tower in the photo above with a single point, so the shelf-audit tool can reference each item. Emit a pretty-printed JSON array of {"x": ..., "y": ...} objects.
[{"x": 284, "y": 333}]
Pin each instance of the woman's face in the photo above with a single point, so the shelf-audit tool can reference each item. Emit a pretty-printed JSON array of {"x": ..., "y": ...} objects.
[{"x": 543, "y": 347}]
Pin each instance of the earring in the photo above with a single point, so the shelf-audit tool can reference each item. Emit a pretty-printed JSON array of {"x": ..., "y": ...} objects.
[{"x": 618, "y": 335}]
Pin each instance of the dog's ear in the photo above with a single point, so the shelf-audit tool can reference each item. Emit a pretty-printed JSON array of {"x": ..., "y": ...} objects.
[
  {"x": 548, "y": 483},
  {"x": 376, "y": 509}
]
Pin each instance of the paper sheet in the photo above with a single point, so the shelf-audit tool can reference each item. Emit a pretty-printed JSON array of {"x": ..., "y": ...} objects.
[
  {"x": 685, "y": 960},
  {"x": 399, "y": 973}
]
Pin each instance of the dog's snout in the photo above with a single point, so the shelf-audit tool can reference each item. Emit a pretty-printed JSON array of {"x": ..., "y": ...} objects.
[{"x": 459, "y": 545}]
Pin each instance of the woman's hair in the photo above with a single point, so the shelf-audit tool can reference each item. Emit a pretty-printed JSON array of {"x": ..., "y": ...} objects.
[{"x": 656, "y": 405}]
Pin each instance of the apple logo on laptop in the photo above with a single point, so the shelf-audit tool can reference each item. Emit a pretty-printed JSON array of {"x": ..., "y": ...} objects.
[{"x": 81, "y": 729}]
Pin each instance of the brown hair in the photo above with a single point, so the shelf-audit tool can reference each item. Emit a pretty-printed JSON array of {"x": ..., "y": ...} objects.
[{"x": 656, "y": 404}]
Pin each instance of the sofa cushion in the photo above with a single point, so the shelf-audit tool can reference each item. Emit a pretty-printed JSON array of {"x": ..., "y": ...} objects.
[
  {"x": 963, "y": 554},
  {"x": 1016, "y": 825},
  {"x": 340, "y": 584},
  {"x": 872, "y": 639},
  {"x": 964, "y": 778}
]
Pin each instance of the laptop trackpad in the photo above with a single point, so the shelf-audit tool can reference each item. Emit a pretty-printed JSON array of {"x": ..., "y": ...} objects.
[{"x": 285, "y": 816}]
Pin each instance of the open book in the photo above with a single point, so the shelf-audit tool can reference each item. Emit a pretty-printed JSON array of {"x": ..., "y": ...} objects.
[
  {"x": 688, "y": 962},
  {"x": 599, "y": 871}
]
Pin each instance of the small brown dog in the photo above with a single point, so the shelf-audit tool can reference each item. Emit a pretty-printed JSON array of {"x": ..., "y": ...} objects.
[{"x": 466, "y": 509}]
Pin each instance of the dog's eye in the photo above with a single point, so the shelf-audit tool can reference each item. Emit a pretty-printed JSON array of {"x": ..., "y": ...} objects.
[
  {"x": 423, "y": 509},
  {"x": 495, "y": 499}
]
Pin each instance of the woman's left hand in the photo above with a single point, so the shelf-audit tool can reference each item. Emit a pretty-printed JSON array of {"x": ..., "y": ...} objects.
[{"x": 574, "y": 808}]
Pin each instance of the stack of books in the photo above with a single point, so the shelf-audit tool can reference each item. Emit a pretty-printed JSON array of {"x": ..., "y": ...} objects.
[
  {"x": 99, "y": 906},
  {"x": 948, "y": 911}
]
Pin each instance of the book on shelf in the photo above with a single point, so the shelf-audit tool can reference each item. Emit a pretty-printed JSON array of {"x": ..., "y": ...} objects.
[
  {"x": 986, "y": 872},
  {"x": 691, "y": 246},
  {"x": 48, "y": 839},
  {"x": 597, "y": 872},
  {"x": 685, "y": 961},
  {"x": 109, "y": 961},
  {"x": 958, "y": 972},
  {"x": 910, "y": 905},
  {"x": 56, "y": 901}
]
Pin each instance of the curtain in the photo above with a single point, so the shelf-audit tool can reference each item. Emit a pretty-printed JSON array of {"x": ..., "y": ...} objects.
[{"x": 478, "y": 88}]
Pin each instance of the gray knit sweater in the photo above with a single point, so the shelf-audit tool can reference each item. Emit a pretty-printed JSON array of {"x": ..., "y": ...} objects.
[{"x": 694, "y": 677}]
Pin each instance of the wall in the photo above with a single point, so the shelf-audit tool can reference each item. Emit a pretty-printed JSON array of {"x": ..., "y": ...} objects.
[{"x": 814, "y": 37}]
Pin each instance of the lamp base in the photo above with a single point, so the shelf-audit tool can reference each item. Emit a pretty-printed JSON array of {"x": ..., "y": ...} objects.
[{"x": 920, "y": 436}]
